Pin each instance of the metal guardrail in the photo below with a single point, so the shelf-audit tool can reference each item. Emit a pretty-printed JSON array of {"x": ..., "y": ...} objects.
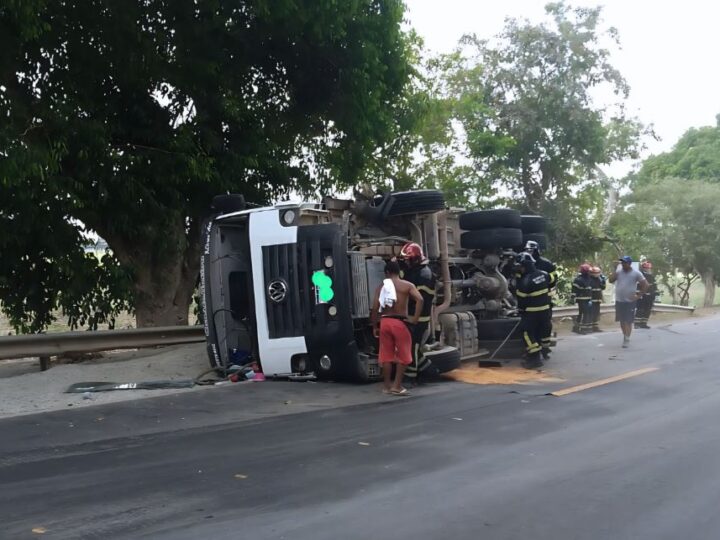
[
  {"x": 569, "y": 311},
  {"x": 46, "y": 345}
]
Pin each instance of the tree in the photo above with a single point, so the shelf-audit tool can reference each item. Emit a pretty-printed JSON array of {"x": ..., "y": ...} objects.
[
  {"x": 427, "y": 146},
  {"x": 696, "y": 156},
  {"x": 674, "y": 221},
  {"x": 126, "y": 118},
  {"x": 536, "y": 97}
]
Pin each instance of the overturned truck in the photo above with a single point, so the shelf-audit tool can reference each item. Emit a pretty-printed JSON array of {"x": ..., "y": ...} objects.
[{"x": 290, "y": 286}]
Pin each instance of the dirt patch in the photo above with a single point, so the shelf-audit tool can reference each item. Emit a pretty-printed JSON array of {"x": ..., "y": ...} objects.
[{"x": 502, "y": 375}]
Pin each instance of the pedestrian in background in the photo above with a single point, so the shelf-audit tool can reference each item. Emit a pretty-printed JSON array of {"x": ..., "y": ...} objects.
[
  {"x": 628, "y": 282},
  {"x": 598, "y": 283},
  {"x": 582, "y": 290},
  {"x": 647, "y": 301}
]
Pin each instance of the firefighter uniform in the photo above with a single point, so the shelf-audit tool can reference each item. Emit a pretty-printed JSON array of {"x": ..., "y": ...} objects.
[
  {"x": 547, "y": 266},
  {"x": 582, "y": 289},
  {"x": 423, "y": 278},
  {"x": 598, "y": 282},
  {"x": 646, "y": 303},
  {"x": 533, "y": 294}
]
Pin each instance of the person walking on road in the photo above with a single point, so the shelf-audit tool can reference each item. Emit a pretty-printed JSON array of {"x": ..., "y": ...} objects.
[
  {"x": 419, "y": 274},
  {"x": 582, "y": 290},
  {"x": 628, "y": 282},
  {"x": 533, "y": 295},
  {"x": 646, "y": 303},
  {"x": 598, "y": 283},
  {"x": 391, "y": 304}
]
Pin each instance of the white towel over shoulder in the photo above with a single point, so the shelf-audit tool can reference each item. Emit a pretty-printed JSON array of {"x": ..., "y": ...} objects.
[{"x": 388, "y": 295}]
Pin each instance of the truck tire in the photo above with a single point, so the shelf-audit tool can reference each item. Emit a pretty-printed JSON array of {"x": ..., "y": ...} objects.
[
  {"x": 445, "y": 359},
  {"x": 533, "y": 224},
  {"x": 491, "y": 239},
  {"x": 487, "y": 219},
  {"x": 498, "y": 329},
  {"x": 419, "y": 201},
  {"x": 540, "y": 238},
  {"x": 227, "y": 203}
]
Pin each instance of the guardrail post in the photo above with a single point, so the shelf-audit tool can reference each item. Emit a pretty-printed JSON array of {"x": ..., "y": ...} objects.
[{"x": 44, "y": 363}]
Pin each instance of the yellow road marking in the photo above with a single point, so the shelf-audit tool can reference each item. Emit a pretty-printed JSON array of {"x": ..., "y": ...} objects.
[{"x": 601, "y": 382}]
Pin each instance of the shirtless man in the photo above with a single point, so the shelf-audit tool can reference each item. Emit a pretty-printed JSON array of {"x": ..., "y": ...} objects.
[{"x": 395, "y": 337}]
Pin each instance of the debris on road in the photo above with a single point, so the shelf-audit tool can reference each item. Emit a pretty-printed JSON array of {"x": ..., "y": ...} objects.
[{"x": 506, "y": 375}]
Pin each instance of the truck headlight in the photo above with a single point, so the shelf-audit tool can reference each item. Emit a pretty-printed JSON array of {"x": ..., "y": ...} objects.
[
  {"x": 325, "y": 362},
  {"x": 288, "y": 217}
]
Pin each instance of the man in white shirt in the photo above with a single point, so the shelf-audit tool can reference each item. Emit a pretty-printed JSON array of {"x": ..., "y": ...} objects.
[{"x": 628, "y": 282}]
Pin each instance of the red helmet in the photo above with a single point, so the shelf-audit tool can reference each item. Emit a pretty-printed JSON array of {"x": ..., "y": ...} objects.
[
  {"x": 411, "y": 251},
  {"x": 584, "y": 268},
  {"x": 647, "y": 265}
]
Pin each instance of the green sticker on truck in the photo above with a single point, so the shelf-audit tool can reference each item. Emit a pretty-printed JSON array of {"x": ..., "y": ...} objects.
[{"x": 323, "y": 286}]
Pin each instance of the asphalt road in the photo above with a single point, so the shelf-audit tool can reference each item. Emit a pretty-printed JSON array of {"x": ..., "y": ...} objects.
[{"x": 634, "y": 459}]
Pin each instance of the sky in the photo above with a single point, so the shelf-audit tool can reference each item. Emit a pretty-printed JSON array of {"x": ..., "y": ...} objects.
[{"x": 669, "y": 53}]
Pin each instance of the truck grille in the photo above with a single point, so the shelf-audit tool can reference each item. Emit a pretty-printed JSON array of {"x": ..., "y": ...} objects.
[{"x": 283, "y": 291}]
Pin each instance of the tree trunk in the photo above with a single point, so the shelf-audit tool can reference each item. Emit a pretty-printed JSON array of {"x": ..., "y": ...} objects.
[
  {"x": 709, "y": 282},
  {"x": 162, "y": 296},
  {"x": 534, "y": 195},
  {"x": 165, "y": 276}
]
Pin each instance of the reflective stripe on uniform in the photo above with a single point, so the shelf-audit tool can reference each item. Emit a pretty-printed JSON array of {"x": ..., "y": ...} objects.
[
  {"x": 537, "y": 308},
  {"x": 424, "y": 319},
  {"x": 532, "y": 347},
  {"x": 534, "y": 293},
  {"x": 426, "y": 289}
]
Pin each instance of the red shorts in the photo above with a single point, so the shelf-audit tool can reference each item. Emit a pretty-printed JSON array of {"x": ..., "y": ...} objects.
[{"x": 395, "y": 341}]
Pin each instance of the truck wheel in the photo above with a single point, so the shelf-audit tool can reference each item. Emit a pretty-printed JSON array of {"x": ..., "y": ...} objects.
[
  {"x": 491, "y": 239},
  {"x": 540, "y": 238},
  {"x": 226, "y": 204},
  {"x": 486, "y": 219},
  {"x": 533, "y": 224},
  {"x": 444, "y": 360},
  {"x": 420, "y": 201}
]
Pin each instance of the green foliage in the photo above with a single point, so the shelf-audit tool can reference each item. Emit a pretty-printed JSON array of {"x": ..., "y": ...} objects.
[
  {"x": 674, "y": 223},
  {"x": 538, "y": 82},
  {"x": 563, "y": 294},
  {"x": 696, "y": 156},
  {"x": 427, "y": 147},
  {"x": 127, "y": 117},
  {"x": 572, "y": 227}
]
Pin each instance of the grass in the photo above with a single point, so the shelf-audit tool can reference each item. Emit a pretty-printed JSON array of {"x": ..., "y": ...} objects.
[{"x": 697, "y": 296}]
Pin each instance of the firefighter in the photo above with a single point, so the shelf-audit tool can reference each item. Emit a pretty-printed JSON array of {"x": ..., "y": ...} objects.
[
  {"x": 647, "y": 300},
  {"x": 547, "y": 266},
  {"x": 582, "y": 290},
  {"x": 533, "y": 294},
  {"x": 417, "y": 272},
  {"x": 598, "y": 283}
]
